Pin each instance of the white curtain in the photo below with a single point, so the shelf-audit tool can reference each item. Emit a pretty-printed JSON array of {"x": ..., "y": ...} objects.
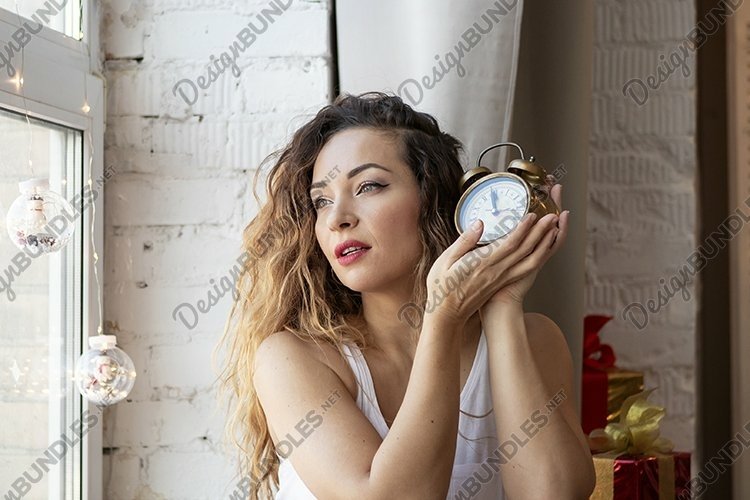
[{"x": 456, "y": 61}]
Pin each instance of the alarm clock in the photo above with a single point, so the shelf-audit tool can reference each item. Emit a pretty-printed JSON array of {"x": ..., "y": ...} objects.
[{"x": 502, "y": 199}]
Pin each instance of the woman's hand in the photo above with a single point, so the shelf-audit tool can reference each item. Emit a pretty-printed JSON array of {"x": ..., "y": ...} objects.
[
  {"x": 464, "y": 277},
  {"x": 550, "y": 233}
]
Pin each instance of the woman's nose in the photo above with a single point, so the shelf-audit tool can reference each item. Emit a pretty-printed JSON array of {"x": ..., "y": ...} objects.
[{"x": 341, "y": 216}]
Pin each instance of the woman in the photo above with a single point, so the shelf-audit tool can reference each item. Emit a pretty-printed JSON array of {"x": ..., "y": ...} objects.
[{"x": 337, "y": 393}]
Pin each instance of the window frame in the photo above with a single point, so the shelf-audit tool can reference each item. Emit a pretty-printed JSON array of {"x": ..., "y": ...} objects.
[{"x": 58, "y": 72}]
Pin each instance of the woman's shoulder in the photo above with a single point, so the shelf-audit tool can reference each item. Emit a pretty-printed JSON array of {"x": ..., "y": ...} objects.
[
  {"x": 285, "y": 345},
  {"x": 288, "y": 374}
]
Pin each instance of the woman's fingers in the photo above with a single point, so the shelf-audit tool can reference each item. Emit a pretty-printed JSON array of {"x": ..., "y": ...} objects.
[
  {"x": 464, "y": 243},
  {"x": 549, "y": 240},
  {"x": 563, "y": 233},
  {"x": 538, "y": 232},
  {"x": 541, "y": 251},
  {"x": 520, "y": 245},
  {"x": 502, "y": 247},
  {"x": 556, "y": 193},
  {"x": 550, "y": 243},
  {"x": 527, "y": 242},
  {"x": 534, "y": 260}
]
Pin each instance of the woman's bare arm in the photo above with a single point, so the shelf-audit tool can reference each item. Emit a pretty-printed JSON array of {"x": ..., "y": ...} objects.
[
  {"x": 337, "y": 452},
  {"x": 530, "y": 366}
]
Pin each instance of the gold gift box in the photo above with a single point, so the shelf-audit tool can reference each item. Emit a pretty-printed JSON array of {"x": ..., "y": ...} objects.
[{"x": 621, "y": 384}]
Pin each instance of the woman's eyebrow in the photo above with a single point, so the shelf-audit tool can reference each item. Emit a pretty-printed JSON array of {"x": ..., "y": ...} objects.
[{"x": 353, "y": 172}]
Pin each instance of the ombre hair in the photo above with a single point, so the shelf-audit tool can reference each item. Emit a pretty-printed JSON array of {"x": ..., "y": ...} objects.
[{"x": 287, "y": 284}]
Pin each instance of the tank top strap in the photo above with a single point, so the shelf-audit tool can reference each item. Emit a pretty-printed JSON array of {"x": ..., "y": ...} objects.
[{"x": 366, "y": 397}]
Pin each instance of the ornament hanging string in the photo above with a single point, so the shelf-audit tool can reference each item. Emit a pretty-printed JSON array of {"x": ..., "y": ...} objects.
[{"x": 19, "y": 84}]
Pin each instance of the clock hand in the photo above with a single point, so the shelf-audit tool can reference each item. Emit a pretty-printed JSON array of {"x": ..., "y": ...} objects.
[{"x": 493, "y": 197}]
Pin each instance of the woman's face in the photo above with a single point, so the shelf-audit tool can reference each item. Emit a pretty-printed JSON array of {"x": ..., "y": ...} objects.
[{"x": 370, "y": 195}]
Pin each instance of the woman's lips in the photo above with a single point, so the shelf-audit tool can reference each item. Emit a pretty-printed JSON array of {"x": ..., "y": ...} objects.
[{"x": 348, "y": 259}]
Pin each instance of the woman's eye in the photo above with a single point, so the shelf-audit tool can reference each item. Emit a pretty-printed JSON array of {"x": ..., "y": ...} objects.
[
  {"x": 316, "y": 203},
  {"x": 362, "y": 188},
  {"x": 366, "y": 184}
]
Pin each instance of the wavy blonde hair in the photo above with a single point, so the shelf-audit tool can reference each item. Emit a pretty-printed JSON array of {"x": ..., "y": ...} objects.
[{"x": 286, "y": 282}]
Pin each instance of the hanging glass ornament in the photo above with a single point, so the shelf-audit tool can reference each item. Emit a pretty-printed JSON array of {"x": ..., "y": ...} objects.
[
  {"x": 104, "y": 374},
  {"x": 39, "y": 219}
]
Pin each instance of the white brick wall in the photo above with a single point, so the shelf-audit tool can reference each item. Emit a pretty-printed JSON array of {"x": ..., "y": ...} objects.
[
  {"x": 175, "y": 213},
  {"x": 642, "y": 199}
]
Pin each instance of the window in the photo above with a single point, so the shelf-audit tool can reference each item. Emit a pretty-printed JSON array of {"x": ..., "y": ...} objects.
[
  {"x": 49, "y": 308},
  {"x": 59, "y": 15},
  {"x": 39, "y": 330}
]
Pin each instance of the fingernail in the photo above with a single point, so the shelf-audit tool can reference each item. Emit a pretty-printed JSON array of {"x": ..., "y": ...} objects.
[
  {"x": 531, "y": 216},
  {"x": 475, "y": 225}
]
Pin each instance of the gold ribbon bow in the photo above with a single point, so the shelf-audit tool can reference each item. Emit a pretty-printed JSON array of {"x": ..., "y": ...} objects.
[{"x": 635, "y": 432}]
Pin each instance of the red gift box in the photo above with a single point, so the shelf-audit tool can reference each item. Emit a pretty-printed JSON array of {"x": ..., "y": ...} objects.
[
  {"x": 642, "y": 477},
  {"x": 603, "y": 386}
]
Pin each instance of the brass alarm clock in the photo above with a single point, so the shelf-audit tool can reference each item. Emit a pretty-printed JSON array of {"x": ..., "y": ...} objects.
[{"x": 502, "y": 199}]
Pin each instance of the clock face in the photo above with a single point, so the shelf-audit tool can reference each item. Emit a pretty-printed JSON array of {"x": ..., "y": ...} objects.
[{"x": 500, "y": 201}]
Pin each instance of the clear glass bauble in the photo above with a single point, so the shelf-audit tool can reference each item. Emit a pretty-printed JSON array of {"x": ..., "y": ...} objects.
[
  {"x": 105, "y": 374},
  {"x": 39, "y": 219}
]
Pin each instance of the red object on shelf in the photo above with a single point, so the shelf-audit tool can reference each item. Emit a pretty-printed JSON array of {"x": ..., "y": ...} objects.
[
  {"x": 642, "y": 477},
  {"x": 597, "y": 358}
]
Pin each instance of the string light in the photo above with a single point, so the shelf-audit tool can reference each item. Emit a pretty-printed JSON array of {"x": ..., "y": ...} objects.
[
  {"x": 105, "y": 374},
  {"x": 28, "y": 217}
]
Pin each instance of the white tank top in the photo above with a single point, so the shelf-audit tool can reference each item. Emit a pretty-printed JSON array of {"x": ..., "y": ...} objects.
[{"x": 473, "y": 476}]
